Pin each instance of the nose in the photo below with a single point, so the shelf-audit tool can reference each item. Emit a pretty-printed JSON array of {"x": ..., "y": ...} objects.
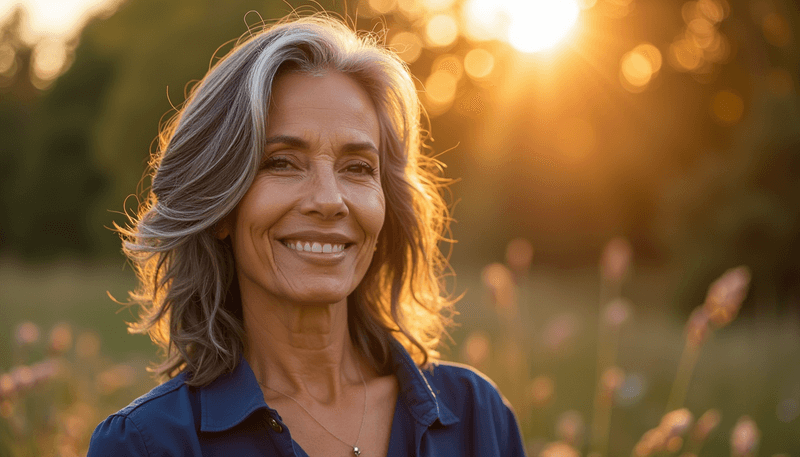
[{"x": 323, "y": 195}]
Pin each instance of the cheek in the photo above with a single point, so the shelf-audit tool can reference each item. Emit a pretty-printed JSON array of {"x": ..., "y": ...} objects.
[{"x": 372, "y": 211}]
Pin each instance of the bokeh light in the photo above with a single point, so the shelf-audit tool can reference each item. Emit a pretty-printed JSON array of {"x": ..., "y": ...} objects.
[
  {"x": 382, "y": 6},
  {"x": 441, "y": 30},
  {"x": 438, "y": 5},
  {"x": 478, "y": 63},
  {"x": 8, "y": 58},
  {"x": 407, "y": 45},
  {"x": 639, "y": 66},
  {"x": 776, "y": 30},
  {"x": 49, "y": 59},
  {"x": 440, "y": 91},
  {"x": 727, "y": 107}
]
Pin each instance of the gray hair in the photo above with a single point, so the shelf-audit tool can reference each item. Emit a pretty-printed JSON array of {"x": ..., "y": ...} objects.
[{"x": 207, "y": 158}]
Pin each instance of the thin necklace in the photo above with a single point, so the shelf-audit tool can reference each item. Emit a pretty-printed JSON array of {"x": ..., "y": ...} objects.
[{"x": 356, "y": 450}]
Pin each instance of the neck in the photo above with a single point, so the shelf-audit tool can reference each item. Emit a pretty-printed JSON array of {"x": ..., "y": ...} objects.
[{"x": 301, "y": 349}]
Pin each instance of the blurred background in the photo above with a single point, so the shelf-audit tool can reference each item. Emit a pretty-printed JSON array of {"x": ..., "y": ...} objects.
[{"x": 612, "y": 159}]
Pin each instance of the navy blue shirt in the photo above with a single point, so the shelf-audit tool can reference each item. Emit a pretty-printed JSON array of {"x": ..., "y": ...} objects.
[{"x": 444, "y": 410}]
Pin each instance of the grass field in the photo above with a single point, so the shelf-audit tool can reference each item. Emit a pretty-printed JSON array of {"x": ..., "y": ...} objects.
[{"x": 542, "y": 346}]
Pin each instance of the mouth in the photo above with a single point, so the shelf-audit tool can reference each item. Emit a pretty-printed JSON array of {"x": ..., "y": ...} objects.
[{"x": 315, "y": 246}]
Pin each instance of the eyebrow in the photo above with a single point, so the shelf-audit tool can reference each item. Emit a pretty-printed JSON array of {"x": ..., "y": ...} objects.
[{"x": 299, "y": 143}]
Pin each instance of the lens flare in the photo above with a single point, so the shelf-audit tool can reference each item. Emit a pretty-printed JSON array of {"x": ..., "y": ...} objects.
[{"x": 528, "y": 25}]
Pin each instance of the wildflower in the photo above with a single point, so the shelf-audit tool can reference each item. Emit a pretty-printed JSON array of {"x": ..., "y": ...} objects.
[
  {"x": 499, "y": 280},
  {"x": 676, "y": 423},
  {"x": 559, "y": 331},
  {"x": 745, "y": 437},
  {"x": 697, "y": 327},
  {"x": 27, "y": 333},
  {"x": 519, "y": 254},
  {"x": 616, "y": 259},
  {"x": 7, "y": 386},
  {"x": 653, "y": 441},
  {"x": 87, "y": 345},
  {"x": 541, "y": 390},
  {"x": 60, "y": 338},
  {"x": 559, "y": 449},
  {"x": 611, "y": 379},
  {"x": 705, "y": 425},
  {"x": 725, "y": 295},
  {"x": 570, "y": 427},
  {"x": 617, "y": 312}
]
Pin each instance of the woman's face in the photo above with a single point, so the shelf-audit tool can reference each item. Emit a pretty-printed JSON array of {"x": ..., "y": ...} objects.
[{"x": 305, "y": 231}]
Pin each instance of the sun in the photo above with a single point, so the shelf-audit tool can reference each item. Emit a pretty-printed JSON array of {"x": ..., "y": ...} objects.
[{"x": 528, "y": 25}]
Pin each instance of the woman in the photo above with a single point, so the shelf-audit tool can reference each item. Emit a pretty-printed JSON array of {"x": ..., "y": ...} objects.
[{"x": 289, "y": 268}]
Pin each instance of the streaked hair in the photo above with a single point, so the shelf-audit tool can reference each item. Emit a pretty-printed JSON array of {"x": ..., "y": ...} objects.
[{"x": 207, "y": 158}]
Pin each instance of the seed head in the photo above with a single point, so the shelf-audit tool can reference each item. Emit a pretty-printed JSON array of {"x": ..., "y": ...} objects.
[
  {"x": 519, "y": 254},
  {"x": 725, "y": 295},
  {"x": 676, "y": 423},
  {"x": 617, "y": 312},
  {"x": 745, "y": 437},
  {"x": 60, "y": 338},
  {"x": 705, "y": 425},
  {"x": 559, "y": 449},
  {"x": 500, "y": 282},
  {"x": 27, "y": 333},
  {"x": 611, "y": 379},
  {"x": 697, "y": 326},
  {"x": 616, "y": 259},
  {"x": 541, "y": 391},
  {"x": 653, "y": 441},
  {"x": 570, "y": 427}
]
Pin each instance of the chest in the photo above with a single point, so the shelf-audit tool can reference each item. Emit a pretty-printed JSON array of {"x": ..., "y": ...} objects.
[{"x": 338, "y": 431}]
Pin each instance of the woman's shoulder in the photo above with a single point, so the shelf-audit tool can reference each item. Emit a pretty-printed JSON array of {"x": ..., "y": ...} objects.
[
  {"x": 168, "y": 409},
  {"x": 463, "y": 387}
]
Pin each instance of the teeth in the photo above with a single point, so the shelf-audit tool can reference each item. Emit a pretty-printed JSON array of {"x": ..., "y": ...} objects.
[{"x": 325, "y": 248}]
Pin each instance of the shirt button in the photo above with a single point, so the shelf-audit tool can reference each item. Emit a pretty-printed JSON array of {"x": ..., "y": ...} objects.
[{"x": 275, "y": 425}]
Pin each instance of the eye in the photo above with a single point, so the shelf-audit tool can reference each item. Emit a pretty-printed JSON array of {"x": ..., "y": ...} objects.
[
  {"x": 361, "y": 168},
  {"x": 277, "y": 163}
]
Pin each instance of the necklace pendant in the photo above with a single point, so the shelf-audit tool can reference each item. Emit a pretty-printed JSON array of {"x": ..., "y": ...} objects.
[{"x": 356, "y": 451}]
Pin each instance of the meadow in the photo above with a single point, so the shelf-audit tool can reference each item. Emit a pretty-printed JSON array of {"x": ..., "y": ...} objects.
[{"x": 589, "y": 358}]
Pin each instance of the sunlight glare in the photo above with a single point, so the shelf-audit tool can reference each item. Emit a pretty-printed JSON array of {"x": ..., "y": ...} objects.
[
  {"x": 537, "y": 25},
  {"x": 528, "y": 25}
]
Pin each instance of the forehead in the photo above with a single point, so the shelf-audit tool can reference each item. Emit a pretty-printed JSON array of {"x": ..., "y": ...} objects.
[{"x": 321, "y": 103}]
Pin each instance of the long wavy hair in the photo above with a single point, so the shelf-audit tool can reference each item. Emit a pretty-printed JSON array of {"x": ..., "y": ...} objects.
[{"x": 207, "y": 157}]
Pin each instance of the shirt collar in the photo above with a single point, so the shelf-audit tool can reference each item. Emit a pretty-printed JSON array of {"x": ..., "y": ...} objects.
[{"x": 233, "y": 396}]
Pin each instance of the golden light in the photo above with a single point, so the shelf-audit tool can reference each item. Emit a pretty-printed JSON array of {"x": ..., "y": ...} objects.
[
  {"x": 49, "y": 58},
  {"x": 407, "y": 45},
  {"x": 639, "y": 67},
  {"x": 442, "y": 30},
  {"x": 411, "y": 9},
  {"x": 575, "y": 139},
  {"x": 537, "y": 25},
  {"x": 478, "y": 63},
  {"x": 484, "y": 19},
  {"x": 528, "y": 25},
  {"x": 440, "y": 90},
  {"x": 382, "y": 6},
  {"x": 8, "y": 58},
  {"x": 438, "y": 5},
  {"x": 776, "y": 30},
  {"x": 685, "y": 55},
  {"x": 727, "y": 107}
]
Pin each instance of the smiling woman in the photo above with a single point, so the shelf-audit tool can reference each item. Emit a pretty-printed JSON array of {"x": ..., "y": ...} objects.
[{"x": 289, "y": 267}]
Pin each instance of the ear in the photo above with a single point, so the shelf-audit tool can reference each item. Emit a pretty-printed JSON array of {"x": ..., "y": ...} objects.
[{"x": 222, "y": 229}]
